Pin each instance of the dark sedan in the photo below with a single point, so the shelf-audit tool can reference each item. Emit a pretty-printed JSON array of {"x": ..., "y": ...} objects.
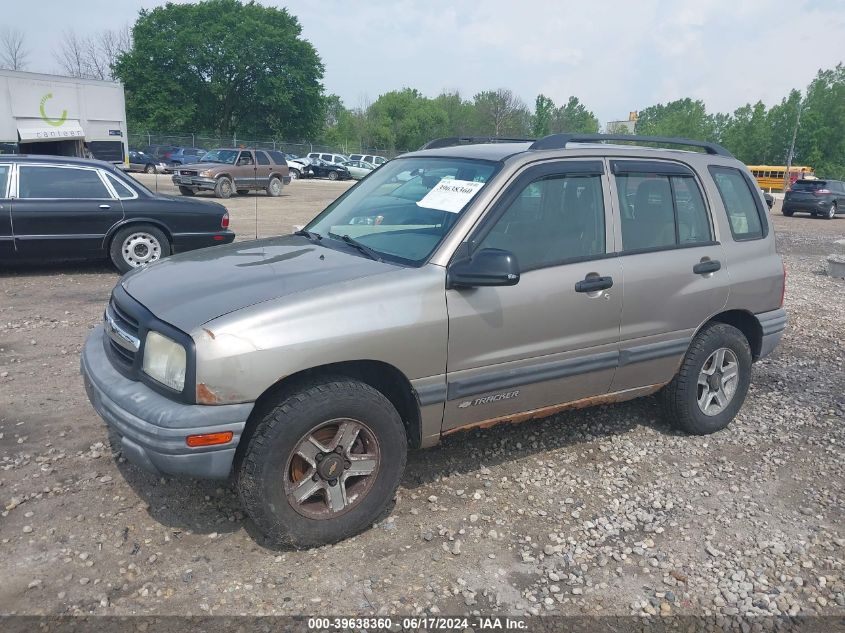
[
  {"x": 321, "y": 169},
  {"x": 55, "y": 207}
]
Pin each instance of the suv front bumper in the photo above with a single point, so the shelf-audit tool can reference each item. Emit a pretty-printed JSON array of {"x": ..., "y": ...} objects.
[
  {"x": 194, "y": 182},
  {"x": 153, "y": 428}
]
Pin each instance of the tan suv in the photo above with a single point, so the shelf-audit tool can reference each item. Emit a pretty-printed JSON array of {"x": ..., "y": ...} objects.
[
  {"x": 456, "y": 287},
  {"x": 225, "y": 171}
]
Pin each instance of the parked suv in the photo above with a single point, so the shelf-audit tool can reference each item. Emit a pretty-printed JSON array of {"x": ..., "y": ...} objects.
[
  {"x": 369, "y": 158},
  {"x": 819, "y": 198},
  {"x": 329, "y": 158},
  {"x": 225, "y": 171},
  {"x": 488, "y": 287}
]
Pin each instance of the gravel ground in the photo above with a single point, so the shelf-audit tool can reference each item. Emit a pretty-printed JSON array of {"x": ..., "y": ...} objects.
[{"x": 602, "y": 511}]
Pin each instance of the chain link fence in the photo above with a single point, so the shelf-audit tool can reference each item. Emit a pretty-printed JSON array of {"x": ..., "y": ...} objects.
[{"x": 142, "y": 139}]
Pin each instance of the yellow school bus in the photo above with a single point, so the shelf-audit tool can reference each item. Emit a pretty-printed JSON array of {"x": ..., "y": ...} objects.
[{"x": 771, "y": 176}]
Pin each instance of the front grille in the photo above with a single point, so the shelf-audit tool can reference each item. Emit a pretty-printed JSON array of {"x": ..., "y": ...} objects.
[
  {"x": 125, "y": 322},
  {"x": 184, "y": 172}
]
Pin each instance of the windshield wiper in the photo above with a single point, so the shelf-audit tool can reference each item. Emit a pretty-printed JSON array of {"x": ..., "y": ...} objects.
[
  {"x": 311, "y": 235},
  {"x": 366, "y": 250}
]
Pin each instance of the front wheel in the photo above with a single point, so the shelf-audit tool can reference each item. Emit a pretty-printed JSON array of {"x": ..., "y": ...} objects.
[
  {"x": 138, "y": 245},
  {"x": 323, "y": 463},
  {"x": 223, "y": 188},
  {"x": 333, "y": 175},
  {"x": 149, "y": 169},
  {"x": 787, "y": 213},
  {"x": 186, "y": 191},
  {"x": 711, "y": 385},
  {"x": 294, "y": 174},
  {"x": 831, "y": 212}
]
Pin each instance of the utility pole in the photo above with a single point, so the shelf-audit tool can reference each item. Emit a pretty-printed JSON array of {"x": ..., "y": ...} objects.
[{"x": 786, "y": 175}]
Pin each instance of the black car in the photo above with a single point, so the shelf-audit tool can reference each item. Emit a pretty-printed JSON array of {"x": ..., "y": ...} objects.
[
  {"x": 322, "y": 169},
  {"x": 823, "y": 198},
  {"x": 54, "y": 207},
  {"x": 770, "y": 199}
]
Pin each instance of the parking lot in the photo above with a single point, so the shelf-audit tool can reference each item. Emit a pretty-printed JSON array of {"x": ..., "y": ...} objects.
[{"x": 606, "y": 510}]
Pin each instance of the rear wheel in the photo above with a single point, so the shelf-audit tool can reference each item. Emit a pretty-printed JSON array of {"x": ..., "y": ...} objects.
[
  {"x": 274, "y": 187},
  {"x": 294, "y": 174},
  {"x": 323, "y": 463},
  {"x": 711, "y": 385},
  {"x": 223, "y": 188},
  {"x": 831, "y": 212},
  {"x": 138, "y": 245},
  {"x": 186, "y": 191},
  {"x": 149, "y": 169}
]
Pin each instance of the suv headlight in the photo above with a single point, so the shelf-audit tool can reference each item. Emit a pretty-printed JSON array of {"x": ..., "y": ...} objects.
[
  {"x": 165, "y": 360},
  {"x": 206, "y": 174}
]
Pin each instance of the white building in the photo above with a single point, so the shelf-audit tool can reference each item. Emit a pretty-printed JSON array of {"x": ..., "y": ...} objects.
[{"x": 63, "y": 116}]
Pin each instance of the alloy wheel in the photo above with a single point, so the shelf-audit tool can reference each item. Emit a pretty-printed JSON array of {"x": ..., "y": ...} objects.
[
  {"x": 717, "y": 381},
  {"x": 332, "y": 469}
]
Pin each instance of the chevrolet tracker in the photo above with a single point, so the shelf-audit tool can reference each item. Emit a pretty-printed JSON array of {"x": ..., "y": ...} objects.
[{"x": 459, "y": 286}]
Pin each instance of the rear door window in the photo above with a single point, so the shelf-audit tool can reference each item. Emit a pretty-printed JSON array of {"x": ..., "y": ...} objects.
[
  {"x": 661, "y": 211},
  {"x": 742, "y": 204},
  {"x": 278, "y": 158},
  {"x": 57, "y": 183},
  {"x": 262, "y": 158}
]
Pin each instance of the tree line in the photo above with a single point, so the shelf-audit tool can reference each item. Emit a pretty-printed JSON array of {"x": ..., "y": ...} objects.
[{"x": 224, "y": 66}]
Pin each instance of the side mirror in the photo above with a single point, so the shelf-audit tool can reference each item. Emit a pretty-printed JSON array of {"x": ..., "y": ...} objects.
[{"x": 487, "y": 267}]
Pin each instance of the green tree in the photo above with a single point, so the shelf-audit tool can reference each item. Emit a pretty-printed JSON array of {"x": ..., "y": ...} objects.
[
  {"x": 222, "y": 66},
  {"x": 575, "y": 117},
  {"x": 748, "y": 136},
  {"x": 821, "y": 137},
  {"x": 405, "y": 119},
  {"x": 781, "y": 119},
  {"x": 684, "y": 118},
  {"x": 544, "y": 110}
]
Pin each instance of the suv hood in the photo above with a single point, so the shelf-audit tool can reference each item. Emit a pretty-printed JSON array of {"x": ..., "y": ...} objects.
[
  {"x": 191, "y": 289},
  {"x": 203, "y": 166}
]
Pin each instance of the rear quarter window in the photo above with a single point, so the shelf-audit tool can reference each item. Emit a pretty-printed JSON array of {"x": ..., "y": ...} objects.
[{"x": 741, "y": 202}]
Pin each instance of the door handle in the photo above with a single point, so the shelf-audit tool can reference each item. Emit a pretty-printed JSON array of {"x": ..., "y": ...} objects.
[
  {"x": 105, "y": 206},
  {"x": 594, "y": 284},
  {"x": 706, "y": 267}
]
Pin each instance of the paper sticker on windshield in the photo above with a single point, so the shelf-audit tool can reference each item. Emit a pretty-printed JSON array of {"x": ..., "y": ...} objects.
[{"x": 450, "y": 195}]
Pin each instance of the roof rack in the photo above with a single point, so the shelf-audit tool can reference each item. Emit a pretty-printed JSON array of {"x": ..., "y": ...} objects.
[
  {"x": 559, "y": 141},
  {"x": 449, "y": 141}
]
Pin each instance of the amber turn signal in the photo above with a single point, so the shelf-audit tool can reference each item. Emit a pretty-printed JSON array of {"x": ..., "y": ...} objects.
[{"x": 209, "y": 439}]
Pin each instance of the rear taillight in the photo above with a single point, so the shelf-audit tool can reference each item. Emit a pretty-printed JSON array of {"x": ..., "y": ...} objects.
[
  {"x": 783, "y": 287},
  {"x": 224, "y": 221},
  {"x": 821, "y": 192}
]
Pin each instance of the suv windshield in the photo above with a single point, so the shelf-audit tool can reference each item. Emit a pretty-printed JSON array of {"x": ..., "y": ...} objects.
[
  {"x": 396, "y": 213},
  {"x": 226, "y": 156}
]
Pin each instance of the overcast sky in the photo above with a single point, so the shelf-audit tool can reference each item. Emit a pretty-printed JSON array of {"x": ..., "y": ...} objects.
[{"x": 615, "y": 56}]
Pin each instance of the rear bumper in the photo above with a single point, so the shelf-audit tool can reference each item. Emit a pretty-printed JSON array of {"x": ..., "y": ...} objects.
[
  {"x": 808, "y": 206},
  {"x": 191, "y": 241},
  {"x": 153, "y": 428},
  {"x": 773, "y": 325}
]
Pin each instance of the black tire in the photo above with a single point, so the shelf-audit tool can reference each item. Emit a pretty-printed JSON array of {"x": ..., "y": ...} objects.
[
  {"x": 186, "y": 191},
  {"x": 122, "y": 261},
  {"x": 274, "y": 187},
  {"x": 264, "y": 468},
  {"x": 294, "y": 174},
  {"x": 223, "y": 188},
  {"x": 831, "y": 213},
  {"x": 787, "y": 213},
  {"x": 333, "y": 175},
  {"x": 149, "y": 169},
  {"x": 243, "y": 192},
  {"x": 680, "y": 396}
]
